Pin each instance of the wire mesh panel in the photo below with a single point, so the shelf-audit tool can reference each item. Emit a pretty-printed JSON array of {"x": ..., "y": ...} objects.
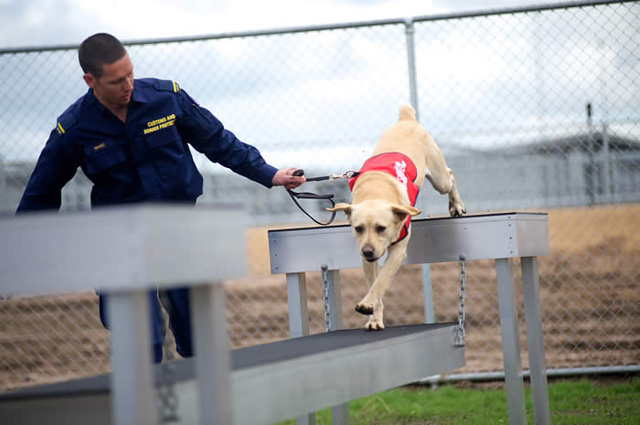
[{"x": 534, "y": 109}]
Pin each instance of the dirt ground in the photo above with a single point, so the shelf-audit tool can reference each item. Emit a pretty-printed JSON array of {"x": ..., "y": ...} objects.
[{"x": 590, "y": 290}]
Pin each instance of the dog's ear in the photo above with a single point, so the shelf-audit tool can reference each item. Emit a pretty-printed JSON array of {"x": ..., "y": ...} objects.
[
  {"x": 401, "y": 211},
  {"x": 341, "y": 207}
]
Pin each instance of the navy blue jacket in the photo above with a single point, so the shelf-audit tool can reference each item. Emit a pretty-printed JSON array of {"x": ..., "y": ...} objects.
[{"x": 145, "y": 159}]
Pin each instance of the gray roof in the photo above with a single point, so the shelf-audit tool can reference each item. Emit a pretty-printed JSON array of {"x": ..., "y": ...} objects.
[{"x": 582, "y": 142}]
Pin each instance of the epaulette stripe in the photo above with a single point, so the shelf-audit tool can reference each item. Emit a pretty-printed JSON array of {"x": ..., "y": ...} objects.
[
  {"x": 176, "y": 88},
  {"x": 65, "y": 122}
]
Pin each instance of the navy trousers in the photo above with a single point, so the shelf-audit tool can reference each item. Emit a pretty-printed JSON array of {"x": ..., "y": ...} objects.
[{"x": 178, "y": 307}]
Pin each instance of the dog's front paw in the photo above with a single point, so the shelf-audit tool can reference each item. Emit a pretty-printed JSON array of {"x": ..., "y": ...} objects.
[
  {"x": 457, "y": 208},
  {"x": 363, "y": 308},
  {"x": 374, "y": 325}
]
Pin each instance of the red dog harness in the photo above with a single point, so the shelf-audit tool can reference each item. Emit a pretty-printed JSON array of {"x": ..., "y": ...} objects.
[{"x": 400, "y": 167}]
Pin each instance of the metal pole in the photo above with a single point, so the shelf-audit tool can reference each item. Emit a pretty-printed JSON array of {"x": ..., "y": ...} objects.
[
  {"x": 591, "y": 148},
  {"x": 413, "y": 95},
  {"x": 606, "y": 153},
  {"x": 510, "y": 343},
  {"x": 299, "y": 320},
  {"x": 535, "y": 344},
  {"x": 4, "y": 187},
  {"x": 212, "y": 360},
  {"x": 411, "y": 65},
  {"x": 339, "y": 413},
  {"x": 297, "y": 299},
  {"x": 133, "y": 397}
]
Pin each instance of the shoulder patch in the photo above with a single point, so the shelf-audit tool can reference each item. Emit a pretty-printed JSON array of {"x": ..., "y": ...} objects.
[
  {"x": 65, "y": 122},
  {"x": 167, "y": 85}
]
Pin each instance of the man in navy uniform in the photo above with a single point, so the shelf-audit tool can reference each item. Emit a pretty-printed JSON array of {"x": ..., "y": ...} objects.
[{"x": 131, "y": 138}]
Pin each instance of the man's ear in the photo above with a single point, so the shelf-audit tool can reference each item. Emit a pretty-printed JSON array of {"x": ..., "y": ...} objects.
[
  {"x": 341, "y": 207},
  {"x": 89, "y": 79},
  {"x": 401, "y": 211}
]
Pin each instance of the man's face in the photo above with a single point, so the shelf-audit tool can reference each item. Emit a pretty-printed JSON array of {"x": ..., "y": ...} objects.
[{"x": 113, "y": 89}]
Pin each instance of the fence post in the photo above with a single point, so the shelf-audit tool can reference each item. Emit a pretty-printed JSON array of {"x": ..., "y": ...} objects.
[
  {"x": 411, "y": 58},
  {"x": 413, "y": 93}
]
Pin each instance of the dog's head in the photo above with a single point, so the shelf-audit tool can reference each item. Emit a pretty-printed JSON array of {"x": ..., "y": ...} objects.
[{"x": 375, "y": 224}]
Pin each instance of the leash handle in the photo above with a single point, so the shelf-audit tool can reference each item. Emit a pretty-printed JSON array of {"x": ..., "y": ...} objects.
[
  {"x": 310, "y": 195},
  {"x": 318, "y": 179},
  {"x": 300, "y": 172},
  {"x": 307, "y": 195}
]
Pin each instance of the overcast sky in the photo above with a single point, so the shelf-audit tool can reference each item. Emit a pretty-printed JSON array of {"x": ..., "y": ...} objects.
[
  {"x": 515, "y": 79},
  {"x": 27, "y": 23}
]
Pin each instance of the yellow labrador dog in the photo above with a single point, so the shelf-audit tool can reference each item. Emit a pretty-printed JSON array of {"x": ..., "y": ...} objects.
[{"x": 383, "y": 196}]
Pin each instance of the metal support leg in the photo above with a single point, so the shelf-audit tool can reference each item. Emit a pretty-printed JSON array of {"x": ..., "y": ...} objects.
[
  {"x": 130, "y": 341},
  {"x": 299, "y": 320},
  {"x": 533, "y": 316},
  {"x": 427, "y": 290},
  {"x": 335, "y": 300},
  {"x": 339, "y": 413},
  {"x": 297, "y": 298},
  {"x": 212, "y": 361},
  {"x": 510, "y": 343}
]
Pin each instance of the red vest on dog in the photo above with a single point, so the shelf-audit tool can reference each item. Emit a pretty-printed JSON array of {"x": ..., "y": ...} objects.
[{"x": 401, "y": 168}]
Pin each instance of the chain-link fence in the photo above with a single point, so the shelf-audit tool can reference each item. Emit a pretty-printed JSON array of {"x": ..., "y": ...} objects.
[{"x": 534, "y": 110}]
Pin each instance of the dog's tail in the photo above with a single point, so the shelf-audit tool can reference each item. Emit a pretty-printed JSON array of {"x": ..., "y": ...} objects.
[{"x": 407, "y": 112}]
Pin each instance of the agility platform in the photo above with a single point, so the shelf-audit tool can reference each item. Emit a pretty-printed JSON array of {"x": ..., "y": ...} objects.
[
  {"x": 501, "y": 237},
  {"x": 271, "y": 382},
  {"x": 157, "y": 246}
]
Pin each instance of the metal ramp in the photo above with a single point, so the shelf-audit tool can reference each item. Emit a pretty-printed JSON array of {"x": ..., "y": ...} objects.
[{"x": 271, "y": 382}]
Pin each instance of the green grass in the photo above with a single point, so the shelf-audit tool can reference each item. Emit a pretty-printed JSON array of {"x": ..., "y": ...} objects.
[{"x": 572, "y": 402}]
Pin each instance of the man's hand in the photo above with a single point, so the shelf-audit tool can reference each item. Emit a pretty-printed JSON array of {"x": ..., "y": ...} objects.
[{"x": 285, "y": 177}]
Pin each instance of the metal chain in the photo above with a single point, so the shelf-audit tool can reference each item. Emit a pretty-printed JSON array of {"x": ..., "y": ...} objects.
[
  {"x": 168, "y": 399},
  {"x": 325, "y": 303},
  {"x": 459, "y": 336}
]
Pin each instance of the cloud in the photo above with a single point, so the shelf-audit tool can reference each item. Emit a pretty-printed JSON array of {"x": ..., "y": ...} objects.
[
  {"x": 42, "y": 23},
  {"x": 47, "y": 22},
  {"x": 479, "y": 79}
]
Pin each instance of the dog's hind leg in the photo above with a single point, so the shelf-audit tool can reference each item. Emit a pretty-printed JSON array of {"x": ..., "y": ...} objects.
[
  {"x": 447, "y": 184},
  {"x": 442, "y": 179}
]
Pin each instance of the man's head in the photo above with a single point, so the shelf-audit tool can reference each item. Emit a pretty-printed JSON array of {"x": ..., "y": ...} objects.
[
  {"x": 98, "y": 50},
  {"x": 108, "y": 69}
]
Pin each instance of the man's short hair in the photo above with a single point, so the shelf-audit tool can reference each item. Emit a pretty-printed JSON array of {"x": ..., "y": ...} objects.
[{"x": 98, "y": 50}]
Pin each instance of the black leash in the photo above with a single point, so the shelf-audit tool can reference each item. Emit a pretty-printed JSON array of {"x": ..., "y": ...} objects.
[{"x": 309, "y": 195}]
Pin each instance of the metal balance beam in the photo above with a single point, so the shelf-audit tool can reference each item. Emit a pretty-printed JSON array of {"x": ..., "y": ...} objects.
[
  {"x": 273, "y": 381},
  {"x": 490, "y": 236},
  {"x": 269, "y": 383},
  {"x": 124, "y": 252}
]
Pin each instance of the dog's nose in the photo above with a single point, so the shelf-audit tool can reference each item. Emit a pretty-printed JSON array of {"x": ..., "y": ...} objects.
[{"x": 368, "y": 251}]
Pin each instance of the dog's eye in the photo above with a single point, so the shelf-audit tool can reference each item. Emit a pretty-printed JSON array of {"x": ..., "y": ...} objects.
[
  {"x": 380, "y": 229},
  {"x": 359, "y": 229}
]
